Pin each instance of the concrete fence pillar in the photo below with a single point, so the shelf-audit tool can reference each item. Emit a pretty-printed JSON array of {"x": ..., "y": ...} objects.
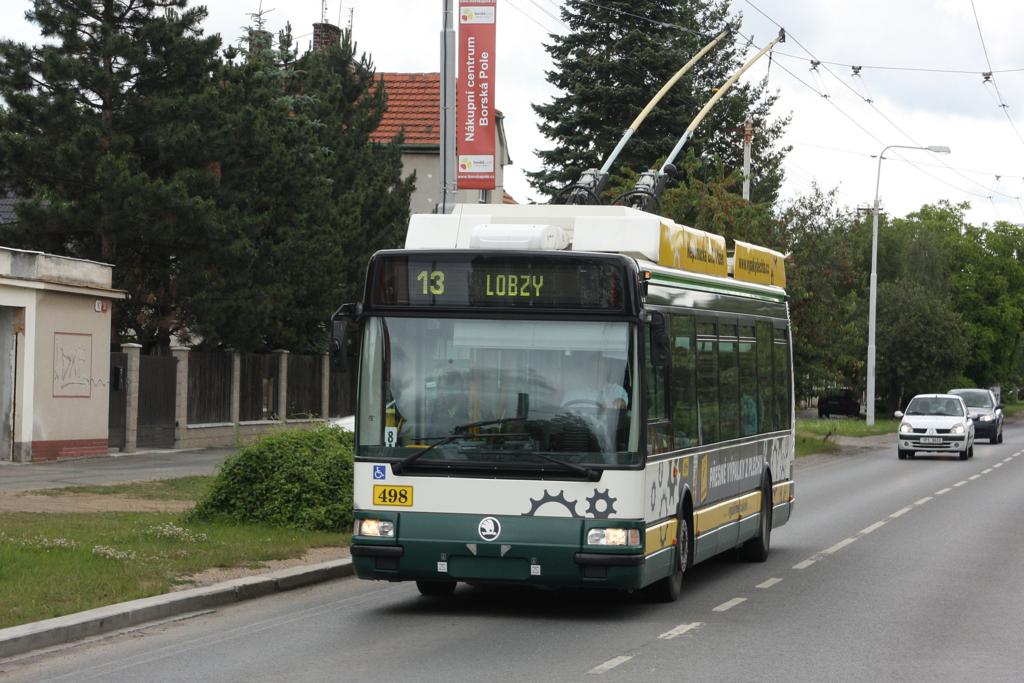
[
  {"x": 180, "y": 395},
  {"x": 236, "y": 386},
  {"x": 325, "y": 385},
  {"x": 131, "y": 392},
  {"x": 282, "y": 384}
]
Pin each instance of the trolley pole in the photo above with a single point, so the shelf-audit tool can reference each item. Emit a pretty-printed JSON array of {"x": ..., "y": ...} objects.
[{"x": 748, "y": 139}]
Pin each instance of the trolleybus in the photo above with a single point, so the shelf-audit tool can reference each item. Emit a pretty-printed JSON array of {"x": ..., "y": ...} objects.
[{"x": 567, "y": 396}]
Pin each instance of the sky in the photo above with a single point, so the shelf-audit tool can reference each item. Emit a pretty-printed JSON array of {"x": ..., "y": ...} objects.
[{"x": 910, "y": 53}]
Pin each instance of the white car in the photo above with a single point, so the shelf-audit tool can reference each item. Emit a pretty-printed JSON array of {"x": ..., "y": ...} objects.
[{"x": 937, "y": 423}]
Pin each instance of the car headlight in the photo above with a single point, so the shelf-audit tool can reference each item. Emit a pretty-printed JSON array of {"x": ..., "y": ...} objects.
[
  {"x": 957, "y": 429},
  {"x": 613, "y": 537},
  {"x": 987, "y": 418},
  {"x": 905, "y": 428},
  {"x": 380, "y": 528}
]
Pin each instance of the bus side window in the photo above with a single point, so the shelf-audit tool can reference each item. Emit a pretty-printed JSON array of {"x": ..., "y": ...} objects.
[
  {"x": 659, "y": 437},
  {"x": 748, "y": 381},
  {"x": 765, "y": 378},
  {"x": 728, "y": 381},
  {"x": 783, "y": 418},
  {"x": 707, "y": 381},
  {"x": 683, "y": 385}
]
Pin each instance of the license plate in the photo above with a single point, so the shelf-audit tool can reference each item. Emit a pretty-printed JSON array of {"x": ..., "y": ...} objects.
[
  {"x": 930, "y": 439},
  {"x": 400, "y": 496}
]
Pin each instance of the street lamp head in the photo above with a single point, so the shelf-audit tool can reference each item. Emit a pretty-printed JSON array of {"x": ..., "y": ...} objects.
[{"x": 938, "y": 149}]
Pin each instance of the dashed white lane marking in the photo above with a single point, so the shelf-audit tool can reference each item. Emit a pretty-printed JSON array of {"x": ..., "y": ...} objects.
[
  {"x": 1007, "y": 459},
  {"x": 680, "y": 630},
  {"x": 839, "y": 546},
  {"x": 986, "y": 471},
  {"x": 610, "y": 664},
  {"x": 973, "y": 477},
  {"x": 943, "y": 491},
  {"x": 803, "y": 565},
  {"x": 998, "y": 464},
  {"x": 900, "y": 513},
  {"x": 769, "y": 583},
  {"x": 960, "y": 483},
  {"x": 869, "y": 529},
  {"x": 923, "y": 500},
  {"x": 728, "y": 604}
]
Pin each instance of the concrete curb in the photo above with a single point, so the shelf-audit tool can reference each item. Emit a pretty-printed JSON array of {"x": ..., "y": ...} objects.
[{"x": 59, "y": 630}]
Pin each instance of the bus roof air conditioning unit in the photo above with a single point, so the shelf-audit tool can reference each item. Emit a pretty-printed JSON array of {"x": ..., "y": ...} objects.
[{"x": 520, "y": 237}]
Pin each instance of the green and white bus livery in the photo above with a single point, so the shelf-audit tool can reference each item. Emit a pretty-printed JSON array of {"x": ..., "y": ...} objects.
[{"x": 567, "y": 396}]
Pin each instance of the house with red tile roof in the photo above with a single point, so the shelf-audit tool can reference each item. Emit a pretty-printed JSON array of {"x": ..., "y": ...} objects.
[{"x": 413, "y": 108}]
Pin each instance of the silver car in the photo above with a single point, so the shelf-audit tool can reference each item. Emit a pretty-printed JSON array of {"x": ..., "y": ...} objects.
[{"x": 936, "y": 423}]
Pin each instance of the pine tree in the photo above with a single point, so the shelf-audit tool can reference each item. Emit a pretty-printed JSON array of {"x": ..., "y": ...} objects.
[
  {"x": 616, "y": 56},
  {"x": 102, "y": 135},
  {"x": 304, "y": 196}
]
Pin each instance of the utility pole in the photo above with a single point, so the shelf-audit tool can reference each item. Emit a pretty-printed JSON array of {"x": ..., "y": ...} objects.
[
  {"x": 748, "y": 139},
  {"x": 447, "y": 203}
]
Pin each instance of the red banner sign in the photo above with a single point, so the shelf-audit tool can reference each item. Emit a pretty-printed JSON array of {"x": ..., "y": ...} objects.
[{"x": 474, "y": 108}]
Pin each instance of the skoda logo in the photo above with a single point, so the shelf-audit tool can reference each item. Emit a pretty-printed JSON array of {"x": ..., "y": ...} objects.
[{"x": 489, "y": 528}]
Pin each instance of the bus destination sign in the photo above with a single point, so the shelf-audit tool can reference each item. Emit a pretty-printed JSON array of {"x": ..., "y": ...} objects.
[{"x": 491, "y": 281}]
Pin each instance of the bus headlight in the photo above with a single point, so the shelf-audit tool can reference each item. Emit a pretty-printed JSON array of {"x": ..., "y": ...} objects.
[
  {"x": 613, "y": 537},
  {"x": 380, "y": 528}
]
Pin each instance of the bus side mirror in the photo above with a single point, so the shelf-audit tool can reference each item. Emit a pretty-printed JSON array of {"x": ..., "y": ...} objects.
[
  {"x": 661, "y": 345},
  {"x": 343, "y": 327}
]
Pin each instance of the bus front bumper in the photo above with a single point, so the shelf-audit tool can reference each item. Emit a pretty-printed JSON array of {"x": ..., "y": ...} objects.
[{"x": 541, "y": 551}]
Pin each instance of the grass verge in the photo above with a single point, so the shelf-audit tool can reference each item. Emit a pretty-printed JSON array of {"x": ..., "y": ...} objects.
[
  {"x": 844, "y": 427},
  {"x": 811, "y": 444},
  {"x": 52, "y": 564},
  {"x": 182, "y": 488}
]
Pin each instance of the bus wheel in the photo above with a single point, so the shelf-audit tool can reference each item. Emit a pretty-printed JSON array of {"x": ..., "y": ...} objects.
[
  {"x": 669, "y": 588},
  {"x": 436, "y": 588},
  {"x": 756, "y": 549}
]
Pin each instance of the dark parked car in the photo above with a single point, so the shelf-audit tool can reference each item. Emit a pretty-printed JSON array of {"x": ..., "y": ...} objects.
[
  {"x": 985, "y": 412},
  {"x": 843, "y": 402}
]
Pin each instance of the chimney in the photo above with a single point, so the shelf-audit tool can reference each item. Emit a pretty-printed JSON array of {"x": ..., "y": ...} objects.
[{"x": 325, "y": 36}]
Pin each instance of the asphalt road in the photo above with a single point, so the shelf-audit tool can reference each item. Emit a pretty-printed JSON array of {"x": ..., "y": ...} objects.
[{"x": 889, "y": 570}]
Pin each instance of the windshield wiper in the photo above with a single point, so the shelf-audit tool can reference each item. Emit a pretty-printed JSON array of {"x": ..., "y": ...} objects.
[
  {"x": 588, "y": 473},
  {"x": 459, "y": 429},
  {"x": 458, "y": 433}
]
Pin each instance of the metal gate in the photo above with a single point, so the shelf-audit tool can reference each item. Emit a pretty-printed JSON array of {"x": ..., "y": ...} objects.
[
  {"x": 118, "y": 400},
  {"x": 157, "y": 378}
]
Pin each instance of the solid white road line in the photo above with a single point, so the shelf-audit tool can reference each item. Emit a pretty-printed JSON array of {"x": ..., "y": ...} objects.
[
  {"x": 942, "y": 491},
  {"x": 803, "y": 565},
  {"x": 769, "y": 583},
  {"x": 680, "y": 630},
  {"x": 869, "y": 529},
  {"x": 923, "y": 500},
  {"x": 839, "y": 546},
  {"x": 728, "y": 604},
  {"x": 610, "y": 664},
  {"x": 900, "y": 513}
]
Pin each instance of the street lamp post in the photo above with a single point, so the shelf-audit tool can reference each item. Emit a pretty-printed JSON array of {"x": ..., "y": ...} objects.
[{"x": 873, "y": 296}]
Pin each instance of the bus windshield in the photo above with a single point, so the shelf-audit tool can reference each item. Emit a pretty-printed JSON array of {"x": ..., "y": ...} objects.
[{"x": 531, "y": 388}]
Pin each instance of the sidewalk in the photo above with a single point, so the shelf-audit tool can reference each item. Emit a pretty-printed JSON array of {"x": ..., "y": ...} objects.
[{"x": 112, "y": 469}]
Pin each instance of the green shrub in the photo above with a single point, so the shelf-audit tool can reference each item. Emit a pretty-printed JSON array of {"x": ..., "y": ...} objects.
[{"x": 300, "y": 479}]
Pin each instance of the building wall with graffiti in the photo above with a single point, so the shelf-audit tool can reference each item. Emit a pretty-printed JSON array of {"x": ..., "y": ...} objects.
[{"x": 55, "y": 318}]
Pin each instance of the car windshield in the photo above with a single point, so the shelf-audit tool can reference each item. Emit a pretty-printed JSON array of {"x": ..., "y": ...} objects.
[
  {"x": 975, "y": 398},
  {"x": 512, "y": 391},
  {"x": 935, "y": 405}
]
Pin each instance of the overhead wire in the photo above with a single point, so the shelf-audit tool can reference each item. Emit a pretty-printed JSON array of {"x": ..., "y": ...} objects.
[
  {"x": 888, "y": 120},
  {"x": 990, "y": 78}
]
